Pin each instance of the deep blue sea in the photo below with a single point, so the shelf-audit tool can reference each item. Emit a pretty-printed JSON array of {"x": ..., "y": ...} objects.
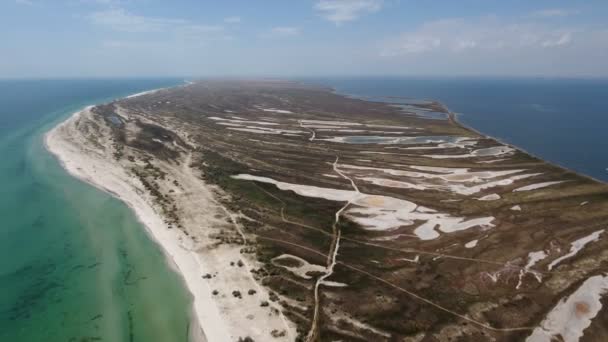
[
  {"x": 75, "y": 264},
  {"x": 564, "y": 121}
]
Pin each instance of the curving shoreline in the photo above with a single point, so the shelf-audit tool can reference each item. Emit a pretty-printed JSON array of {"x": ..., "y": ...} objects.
[
  {"x": 83, "y": 166},
  {"x": 214, "y": 317}
]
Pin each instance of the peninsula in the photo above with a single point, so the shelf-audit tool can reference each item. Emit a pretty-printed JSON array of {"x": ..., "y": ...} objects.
[{"x": 295, "y": 213}]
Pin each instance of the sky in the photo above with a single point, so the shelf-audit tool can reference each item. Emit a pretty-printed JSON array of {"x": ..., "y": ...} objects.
[{"x": 295, "y": 38}]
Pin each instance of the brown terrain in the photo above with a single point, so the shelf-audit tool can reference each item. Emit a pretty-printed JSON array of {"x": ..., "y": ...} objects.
[{"x": 367, "y": 221}]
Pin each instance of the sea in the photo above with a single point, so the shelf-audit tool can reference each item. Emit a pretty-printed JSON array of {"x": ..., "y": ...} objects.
[
  {"x": 75, "y": 264},
  {"x": 563, "y": 121}
]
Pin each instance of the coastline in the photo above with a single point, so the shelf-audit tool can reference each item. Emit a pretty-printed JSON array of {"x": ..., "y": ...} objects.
[
  {"x": 214, "y": 317},
  {"x": 453, "y": 117},
  {"x": 183, "y": 263}
]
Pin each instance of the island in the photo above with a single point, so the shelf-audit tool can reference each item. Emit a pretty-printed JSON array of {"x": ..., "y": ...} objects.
[{"x": 295, "y": 213}]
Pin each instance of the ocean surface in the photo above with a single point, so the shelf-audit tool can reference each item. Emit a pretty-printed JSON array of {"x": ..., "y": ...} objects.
[
  {"x": 564, "y": 121},
  {"x": 75, "y": 264}
]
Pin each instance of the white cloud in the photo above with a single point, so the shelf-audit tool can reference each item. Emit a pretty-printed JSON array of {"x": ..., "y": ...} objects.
[
  {"x": 563, "y": 39},
  {"x": 554, "y": 12},
  {"x": 475, "y": 36},
  {"x": 232, "y": 20},
  {"x": 341, "y": 11},
  {"x": 497, "y": 46},
  {"x": 24, "y": 2},
  {"x": 118, "y": 19},
  {"x": 282, "y": 31}
]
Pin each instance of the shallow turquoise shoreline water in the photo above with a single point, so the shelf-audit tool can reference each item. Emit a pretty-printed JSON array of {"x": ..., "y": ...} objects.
[{"x": 75, "y": 264}]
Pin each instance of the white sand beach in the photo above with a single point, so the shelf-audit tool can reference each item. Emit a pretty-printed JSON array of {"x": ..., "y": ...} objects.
[{"x": 220, "y": 315}]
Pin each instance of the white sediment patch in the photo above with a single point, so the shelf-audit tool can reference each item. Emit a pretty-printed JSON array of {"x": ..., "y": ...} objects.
[
  {"x": 568, "y": 320},
  {"x": 328, "y": 122},
  {"x": 471, "y": 244},
  {"x": 492, "y": 161},
  {"x": 392, "y": 183},
  {"x": 252, "y": 130},
  {"x": 391, "y": 140},
  {"x": 373, "y": 152},
  {"x": 449, "y": 170},
  {"x": 457, "y": 180},
  {"x": 322, "y": 127},
  {"x": 461, "y": 142},
  {"x": 576, "y": 246},
  {"x": 422, "y": 209},
  {"x": 533, "y": 258},
  {"x": 483, "y": 152},
  {"x": 242, "y": 121},
  {"x": 427, "y": 231},
  {"x": 279, "y": 111},
  {"x": 300, "y": 270},
  {"x": 350, "y": 130},
  {"x": 263, "y": 123},
  {"x": 490, "y": 197},
  {"x": 302, "y": 190},
  {"x": 266, "y": 130},
  {"x": 384, "y": 132},
  {"x": 339, "y": 319},
  {"x": 470, "y": 190},
  {"x": 414, "y": 260},
  {"x": 516, "y": 208},
  {"x": 229, "y": 124},
  {"x": 390, "y": 126},
  {"x": 333, "y": 283},
  {"x": 383, "y": 213},
  {"x": 537, "y": 186},
  {"x": 454, "y": 175}
]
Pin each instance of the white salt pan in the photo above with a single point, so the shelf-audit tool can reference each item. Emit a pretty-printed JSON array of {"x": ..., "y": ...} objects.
[
  {"x": 536, "y": 186},
  {"x": 382, "y": 213},
  {"x": 576, "y": 246},
  {"x": 491, "y": 197},
  {"x": 571, "y": 316},
  {"x": 533, "y": 258},
  {"x": 471, "y": 244}
]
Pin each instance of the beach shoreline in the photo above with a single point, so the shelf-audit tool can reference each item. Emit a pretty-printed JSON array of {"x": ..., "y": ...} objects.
[
  {"x": 214, "y": 317},
  {"x": 196, "y": 331}
]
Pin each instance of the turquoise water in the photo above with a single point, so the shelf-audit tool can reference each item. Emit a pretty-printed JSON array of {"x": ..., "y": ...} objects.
[{"x": 75, "y": 265}]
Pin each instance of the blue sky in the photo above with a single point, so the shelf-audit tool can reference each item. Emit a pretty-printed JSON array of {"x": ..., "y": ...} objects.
[{"x": 147, "y": 38}]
